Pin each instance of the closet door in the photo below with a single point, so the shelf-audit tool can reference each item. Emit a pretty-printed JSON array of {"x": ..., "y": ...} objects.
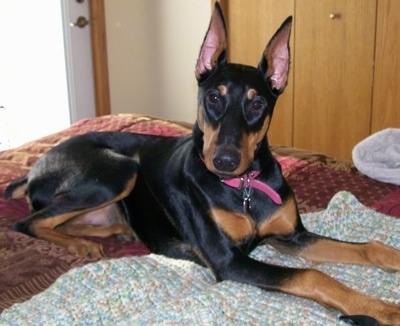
[
  {"x": 386, "y": 101},
  {"x": 251, "y": 24},
  {"x": 333, "y": 74}
]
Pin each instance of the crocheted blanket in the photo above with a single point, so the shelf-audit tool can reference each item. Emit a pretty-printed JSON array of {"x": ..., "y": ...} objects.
[{"x": 153, "y": 289}]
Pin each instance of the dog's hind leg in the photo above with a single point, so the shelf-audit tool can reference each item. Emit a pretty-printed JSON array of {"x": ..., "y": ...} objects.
[
  {"x": 16, "y": 189},
  {"x": 104, "y": 222},
  {"x": 72, "y": 204},
  {"x": 41, "y": 226}
]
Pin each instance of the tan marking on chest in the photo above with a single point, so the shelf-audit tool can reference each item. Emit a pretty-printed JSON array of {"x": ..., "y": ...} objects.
[
  {"x": 237, "y": 226},
  {"x": 282, "y": 221}
]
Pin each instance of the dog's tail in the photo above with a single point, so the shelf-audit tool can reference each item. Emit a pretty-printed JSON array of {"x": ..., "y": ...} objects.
[{"x": 16, "y": 189}]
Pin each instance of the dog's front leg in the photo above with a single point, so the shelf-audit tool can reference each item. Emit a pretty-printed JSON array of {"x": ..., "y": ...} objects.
[
  {"x": 315, "y": 285},
  {"x": 320, "y": 249},
  {"x": 372, "y": 253},
  {"x": 311, "y": 284}
]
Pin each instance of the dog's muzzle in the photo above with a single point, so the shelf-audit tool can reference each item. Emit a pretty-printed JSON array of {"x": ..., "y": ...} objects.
[{"x": 226, "y": 160}]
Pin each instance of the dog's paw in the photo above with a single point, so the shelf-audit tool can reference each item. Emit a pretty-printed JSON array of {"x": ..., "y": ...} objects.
[
  {"x": 394, "y": 316},
  {"x": 359, "y": 320},
  {"x": 386, "y": 313},
  {"x": 84, "y": 248},
  {"x": 125, "y": 233}
]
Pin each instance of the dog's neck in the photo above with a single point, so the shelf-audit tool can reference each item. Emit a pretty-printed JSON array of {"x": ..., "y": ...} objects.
[{"x": 248, "y": 181}]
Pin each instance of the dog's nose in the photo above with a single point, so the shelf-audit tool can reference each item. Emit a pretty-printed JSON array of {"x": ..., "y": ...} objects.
[{"x": 226, "y": 160}]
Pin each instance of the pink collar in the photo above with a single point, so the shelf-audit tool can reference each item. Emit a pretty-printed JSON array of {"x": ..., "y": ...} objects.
[{"x": 248, "y": 180}]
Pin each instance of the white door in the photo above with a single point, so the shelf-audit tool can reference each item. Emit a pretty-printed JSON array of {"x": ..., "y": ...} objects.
[
  {"x": 46, "y": 78},
  {"x": 78, "y": 50}
]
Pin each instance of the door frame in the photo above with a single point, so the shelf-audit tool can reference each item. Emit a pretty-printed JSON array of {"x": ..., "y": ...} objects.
[{"x": 99, "y": 53}]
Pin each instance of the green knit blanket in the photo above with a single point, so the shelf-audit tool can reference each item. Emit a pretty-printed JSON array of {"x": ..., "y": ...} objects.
[{"x": 155, "y": 290}]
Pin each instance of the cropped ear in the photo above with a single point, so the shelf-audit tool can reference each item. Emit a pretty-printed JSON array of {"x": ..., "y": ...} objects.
[
  {"x": 213, "y": 50},
  {"x": 275, "y": 60}
]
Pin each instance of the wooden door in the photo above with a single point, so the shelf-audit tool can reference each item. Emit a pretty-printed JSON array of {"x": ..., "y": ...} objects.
[
  {"x": 333, "y": 74},
  {"x": 386, "y": 107},
  {"x": 251, "y": 24},
  {"x": 100, "y": 63}
]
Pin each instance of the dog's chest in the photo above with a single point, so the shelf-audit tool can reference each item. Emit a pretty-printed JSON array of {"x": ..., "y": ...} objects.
[{"x": 259, "y": 221}]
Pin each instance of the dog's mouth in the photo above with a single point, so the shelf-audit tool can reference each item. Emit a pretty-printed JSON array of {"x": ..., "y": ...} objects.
[{"x": 224, "y": 175}]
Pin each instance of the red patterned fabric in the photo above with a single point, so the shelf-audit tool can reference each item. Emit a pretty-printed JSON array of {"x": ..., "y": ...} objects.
[{"x": 315, "y": 178}]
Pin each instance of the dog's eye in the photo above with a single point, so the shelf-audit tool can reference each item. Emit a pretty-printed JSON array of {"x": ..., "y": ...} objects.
[
  {"x": 213, "y": 98},
  {"x": 255, "y": 109},
  {"x": 214, "y": 105},
  {"x": 257, "y": 105}
]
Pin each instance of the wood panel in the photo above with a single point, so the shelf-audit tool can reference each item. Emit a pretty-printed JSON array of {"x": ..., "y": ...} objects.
[
  {"x": 333, "y": 74},
  {"x": 251, "y": 24},
  {"x": 386, "y": 100},
  {"x": 100, "y": 62}
]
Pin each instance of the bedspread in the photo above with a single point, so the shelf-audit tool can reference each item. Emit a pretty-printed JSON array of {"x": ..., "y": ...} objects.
[
  {"x": 29, "y": 266},
  {"x": 155, "y": 290}
]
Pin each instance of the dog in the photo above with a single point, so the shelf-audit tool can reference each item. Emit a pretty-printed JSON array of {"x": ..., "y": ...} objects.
[{"x": 210, "y": 197}]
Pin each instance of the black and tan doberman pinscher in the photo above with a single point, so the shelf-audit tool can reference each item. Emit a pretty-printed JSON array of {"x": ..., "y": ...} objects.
[{"x": 210, "y": 197}]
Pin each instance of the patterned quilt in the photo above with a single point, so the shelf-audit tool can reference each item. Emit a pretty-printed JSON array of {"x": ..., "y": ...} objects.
[
  {"x": 29, "y": 266},
  {"x": 155, "y": 290}
]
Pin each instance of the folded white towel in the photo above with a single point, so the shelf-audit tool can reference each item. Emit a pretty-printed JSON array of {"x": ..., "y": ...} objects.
[{"x": 378, "y": 156}]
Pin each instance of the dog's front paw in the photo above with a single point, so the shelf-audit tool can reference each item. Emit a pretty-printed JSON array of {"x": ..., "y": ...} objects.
[
  {"x": 359, "y": 320},
  {"x": 386, "y": 313},
  {"x": 394, "y": 316},
  {"x": 84, "y": 248}
]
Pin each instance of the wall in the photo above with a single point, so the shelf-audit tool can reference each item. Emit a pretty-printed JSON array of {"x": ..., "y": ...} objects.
[{"x": 152, "y": 51}]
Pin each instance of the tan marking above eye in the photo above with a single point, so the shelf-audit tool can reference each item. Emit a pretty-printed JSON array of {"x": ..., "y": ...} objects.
[
  {"x": 222, "y": 90},
  {"x": 237, "y": 226},
  {"x": 251, "y": 93}
]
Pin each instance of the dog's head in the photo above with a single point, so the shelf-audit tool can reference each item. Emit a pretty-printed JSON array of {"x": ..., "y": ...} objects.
[{"x": 236, "y": 101}]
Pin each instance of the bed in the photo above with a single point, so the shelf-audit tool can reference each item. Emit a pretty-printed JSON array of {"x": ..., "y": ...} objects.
[{"x": 41, "y": 282}]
